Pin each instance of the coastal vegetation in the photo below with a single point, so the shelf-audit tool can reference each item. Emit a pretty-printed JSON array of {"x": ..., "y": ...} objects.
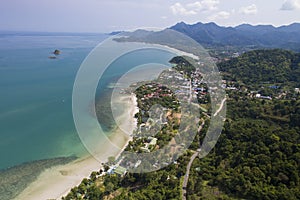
[
  {"x": 182, "y": 65},
  {"x": 257, "y": 155},
  {"x": 162, "y": 184}
]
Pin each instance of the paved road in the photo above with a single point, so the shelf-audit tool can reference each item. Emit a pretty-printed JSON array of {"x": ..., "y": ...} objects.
[
  {"x": 188, "y": 168},
  {"x": 186, "y": 177},
  {"x": 221, "y": 107},
  {"x": 191, "y": 92}
]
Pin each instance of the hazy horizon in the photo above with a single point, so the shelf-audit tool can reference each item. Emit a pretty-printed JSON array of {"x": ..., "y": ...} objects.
[
  {"x": 94, "y": 16},
  {"x": 78, "y": 32}
]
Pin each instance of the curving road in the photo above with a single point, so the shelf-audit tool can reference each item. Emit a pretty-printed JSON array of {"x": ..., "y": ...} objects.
[
  {"x": 221, "y": 107},
  {"x": 188, "y": 168},
  {"x": 186, "y": 176}
]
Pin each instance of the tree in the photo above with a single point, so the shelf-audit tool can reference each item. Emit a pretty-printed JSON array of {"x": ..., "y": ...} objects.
[{"x": 109, "y": 187}]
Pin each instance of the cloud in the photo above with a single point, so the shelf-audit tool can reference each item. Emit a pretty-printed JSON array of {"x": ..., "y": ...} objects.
[
  {"x": 178, "y": 9},
  {"x": 204, "y": 5},
  {"x": 249, "y": 10},
  {"x": 195, "y": 7},
  {"x": 290, "y": 5},
  {"x": 220, "y": 15}
]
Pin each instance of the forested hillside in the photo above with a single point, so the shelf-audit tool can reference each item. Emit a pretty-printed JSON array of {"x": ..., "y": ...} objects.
[
  {"x": 258, "y": 154},
  {"x": 261, "y": 36},
  {"x": 273, "y": 66}
]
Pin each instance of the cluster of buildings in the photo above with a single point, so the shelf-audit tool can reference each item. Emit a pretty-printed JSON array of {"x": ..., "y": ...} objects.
[
  {"x": 117, "y": 169},
  {"x": 149, "y": 144},
  {"x": 278, "y": 92},
  {"x": 157, "y": 91}
]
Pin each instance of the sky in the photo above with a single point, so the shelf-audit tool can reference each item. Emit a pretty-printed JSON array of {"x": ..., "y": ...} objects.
[{"x": 114, "y": 15}]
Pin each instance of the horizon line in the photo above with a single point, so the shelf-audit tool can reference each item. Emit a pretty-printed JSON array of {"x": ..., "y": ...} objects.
[{"x": 113, "y": 31}]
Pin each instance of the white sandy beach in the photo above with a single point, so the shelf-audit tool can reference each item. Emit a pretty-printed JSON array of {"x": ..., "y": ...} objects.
[
  {"x": 130, "y": 101},
  {"x": 56, "y": 182}
]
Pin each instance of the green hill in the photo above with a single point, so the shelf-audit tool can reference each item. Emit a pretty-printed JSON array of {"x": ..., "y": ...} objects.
[{"x": 261, "y": 66}]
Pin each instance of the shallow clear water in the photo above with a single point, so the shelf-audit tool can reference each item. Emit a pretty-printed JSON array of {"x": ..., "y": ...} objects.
[
  {"x": 35, "y": 96},
  {"x": 36, "y": 121}
]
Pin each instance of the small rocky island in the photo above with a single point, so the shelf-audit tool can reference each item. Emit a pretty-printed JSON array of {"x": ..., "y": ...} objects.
[{"x": 56, "y": 52}]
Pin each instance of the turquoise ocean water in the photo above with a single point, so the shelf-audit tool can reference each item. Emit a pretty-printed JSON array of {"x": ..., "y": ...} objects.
[
  {"x": 36, "y": 124},
  {"x": 35, "y": 102}
]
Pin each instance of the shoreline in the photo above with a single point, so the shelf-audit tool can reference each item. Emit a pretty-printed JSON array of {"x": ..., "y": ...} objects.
[{"x": 56, "y": 182}]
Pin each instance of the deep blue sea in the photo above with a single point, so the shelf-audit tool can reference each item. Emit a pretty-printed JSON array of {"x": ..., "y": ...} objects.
[{"x": 36, "y": 123}]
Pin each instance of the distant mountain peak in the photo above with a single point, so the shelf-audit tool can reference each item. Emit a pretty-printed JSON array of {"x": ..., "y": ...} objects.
[
  {"x": 211, "y": 24},
  {"x": 181, "y": 23},
  {"x": 293, "y": 24},
  {"x": 244, "y": 25},
  {"x": 264, "y": 36}
]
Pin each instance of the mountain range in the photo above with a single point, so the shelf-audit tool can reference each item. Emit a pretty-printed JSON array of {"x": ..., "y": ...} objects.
[{"x": 260, "y": 36}]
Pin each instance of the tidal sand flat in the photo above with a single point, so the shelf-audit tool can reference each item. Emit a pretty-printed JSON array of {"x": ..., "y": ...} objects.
[
  {"x": 57, "y": 181},
  {"x": 15, "y": 179}
]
